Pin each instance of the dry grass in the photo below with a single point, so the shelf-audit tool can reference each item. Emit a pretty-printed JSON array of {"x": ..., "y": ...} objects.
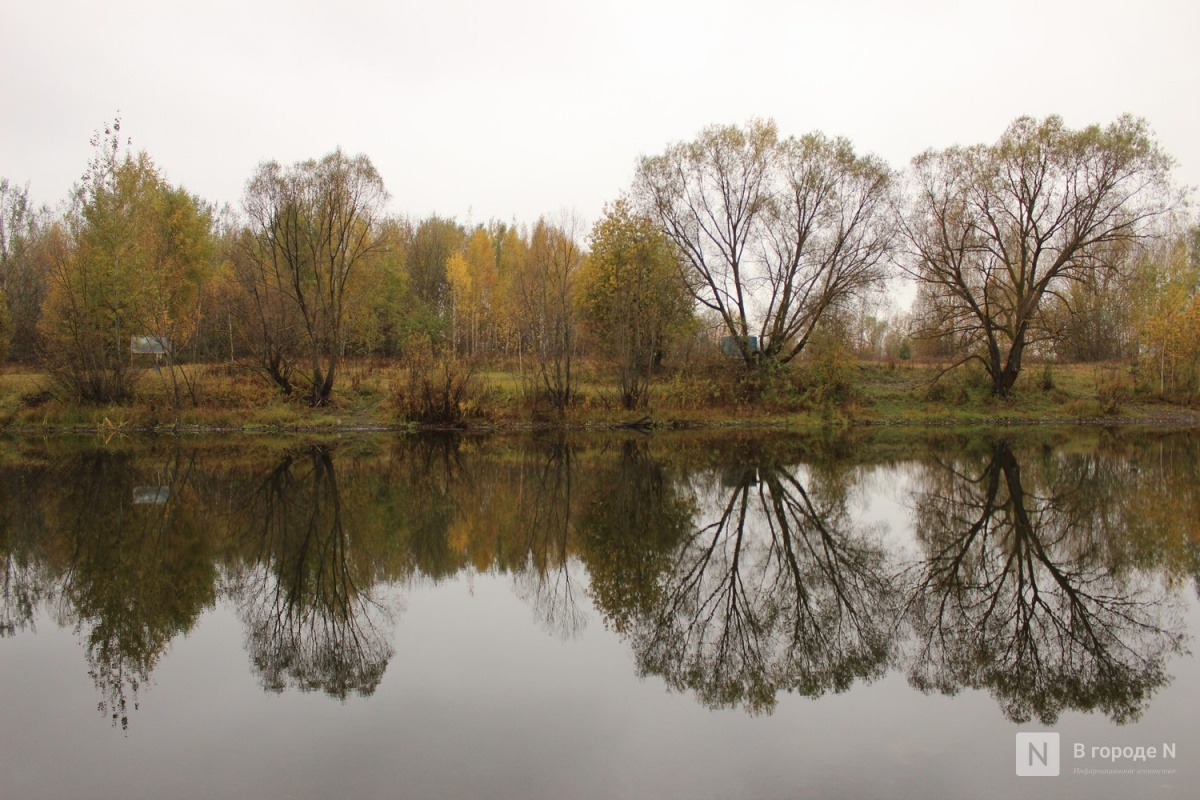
[{"x": 223, "y": 396}]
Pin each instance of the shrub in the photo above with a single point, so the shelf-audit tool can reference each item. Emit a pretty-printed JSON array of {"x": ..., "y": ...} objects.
[
  {"x": 1047, "y": 378},
  {"x": 956, "y": 386},
  {"x": 1084, "y": 409},
  {"x": 828, "y": 377},
  {"x": 440, "y": 391},
  {"x": 1114, "y": 388}
]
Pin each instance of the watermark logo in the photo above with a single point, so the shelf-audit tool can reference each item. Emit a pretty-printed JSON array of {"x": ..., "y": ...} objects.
[{"x": 1037, "y": 755}]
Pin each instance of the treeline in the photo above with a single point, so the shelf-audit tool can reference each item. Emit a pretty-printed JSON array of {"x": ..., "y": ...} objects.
[{"x": 1051, "y": 243}]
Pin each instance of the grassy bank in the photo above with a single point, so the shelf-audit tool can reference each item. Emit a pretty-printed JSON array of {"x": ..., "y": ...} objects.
[{"x": 230, "y": 397}]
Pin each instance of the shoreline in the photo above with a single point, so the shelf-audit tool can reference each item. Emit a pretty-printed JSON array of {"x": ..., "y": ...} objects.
[
  {"x": 875, "y": 395},
  {"x": 1180, "y": 421}
]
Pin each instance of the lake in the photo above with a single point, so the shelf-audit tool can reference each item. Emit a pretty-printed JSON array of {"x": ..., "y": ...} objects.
[{"x": 587, "y": 615}]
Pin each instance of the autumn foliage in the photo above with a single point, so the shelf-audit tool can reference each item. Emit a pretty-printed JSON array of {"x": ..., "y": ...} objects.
[{"x": 1051, "y": 244}]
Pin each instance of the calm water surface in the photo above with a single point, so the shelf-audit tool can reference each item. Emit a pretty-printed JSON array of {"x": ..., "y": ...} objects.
[{"x": 763, "y": 616}]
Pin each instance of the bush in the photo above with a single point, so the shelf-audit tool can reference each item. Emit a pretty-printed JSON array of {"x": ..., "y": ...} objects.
[
  {"x": 956, "y": 386},
  {"x": 34, "y": 399},
  {"x": 828, "y": 377},
  {"x": 695, "y": 389},
  {"x": 440, "y": 391},
  {"x": 1047, "y": 378},
  {"x": 948, "y": 391},
  {"x": 94, "y": 382},
  {"x": 1084, "y": 409},
  {"x": 1114, "y": 388}
]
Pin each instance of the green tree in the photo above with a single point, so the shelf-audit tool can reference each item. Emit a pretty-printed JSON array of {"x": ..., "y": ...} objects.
[
  {"x": 136, "y": 575},
  {"x": 23, "y": 239},
  {"x": 632, "y": 296},
  {"x": 130, "y": 263},
  {"x": 634, "y": 514},
  {"x": 775, "y": 233},
  {"x": 993, "y": 230},
  {"x": 429, "y": 249},
  {"x": 390, "y": 318},
  {"x": 313, "y": 227}
]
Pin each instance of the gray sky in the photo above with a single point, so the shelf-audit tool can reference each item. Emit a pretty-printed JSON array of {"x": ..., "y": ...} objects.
[{"x": 513, "y": 110}]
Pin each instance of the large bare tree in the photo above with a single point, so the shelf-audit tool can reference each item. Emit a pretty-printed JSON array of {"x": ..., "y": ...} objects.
[
  {"x": 773, "y": 234},
  {"x": 314, "y": 226},
  {"x": 992, "y": 230}
]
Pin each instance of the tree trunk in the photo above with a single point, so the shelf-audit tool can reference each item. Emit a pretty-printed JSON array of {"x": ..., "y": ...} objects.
[{"x": 1003, "y": 378}]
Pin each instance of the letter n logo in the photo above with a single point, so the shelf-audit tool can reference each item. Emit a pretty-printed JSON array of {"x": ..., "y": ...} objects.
[{"x": 1037, "y": 755}]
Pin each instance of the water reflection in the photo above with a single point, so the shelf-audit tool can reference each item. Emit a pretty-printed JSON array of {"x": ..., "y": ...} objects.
[
  {"x": 778, "y": 588},
  {"x": 1047, "y": 575},
  {"x": 127, "y": 578},
  {"x": 305, "y": 593},
  {"x": 633, "y": 519},
  {"x": 23, "y": 587},
  {"x": 544, "y": 575},
  {"x": 1025, "y": 589}
]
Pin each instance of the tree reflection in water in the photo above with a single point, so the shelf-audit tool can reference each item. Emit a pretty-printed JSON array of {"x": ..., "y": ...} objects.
[
  {"x": 311, "y": 621},
  {"x": 781, "y": 590},
  {"x": 25, "y": 580},
  {"x": 1052, "y": 579},
  {"x": 544, "y": 536},
  {"x": 635, "y": 513},
  {"x": 132, "y": 576},
  {"x": 1015, "y": 594},
  {"x": 23, "y": 587}
]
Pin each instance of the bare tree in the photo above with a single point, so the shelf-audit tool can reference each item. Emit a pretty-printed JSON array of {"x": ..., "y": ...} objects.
[
  {"x": 315, "y": 225},
  {"x": 270, "y": 323},
  {"x": 772, "y": 234},
  {"x": 993, "y": 230}
]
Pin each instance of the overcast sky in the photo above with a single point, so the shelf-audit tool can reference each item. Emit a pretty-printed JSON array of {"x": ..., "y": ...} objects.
[{"x": 481, "y": 110}]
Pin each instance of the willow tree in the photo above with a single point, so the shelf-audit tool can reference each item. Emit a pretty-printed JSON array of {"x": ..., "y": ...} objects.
[
  {"x": 993, "y": 230},
  {"x": 774, "y": 233},
  {"x": 315, "y": 226}
]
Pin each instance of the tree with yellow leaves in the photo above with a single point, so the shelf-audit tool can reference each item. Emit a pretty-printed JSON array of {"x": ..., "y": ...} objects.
[
  {"x": 131, "y": 263},
  {"x": 632, "y": 296},
  {"x": 1170, "y": 316}
]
